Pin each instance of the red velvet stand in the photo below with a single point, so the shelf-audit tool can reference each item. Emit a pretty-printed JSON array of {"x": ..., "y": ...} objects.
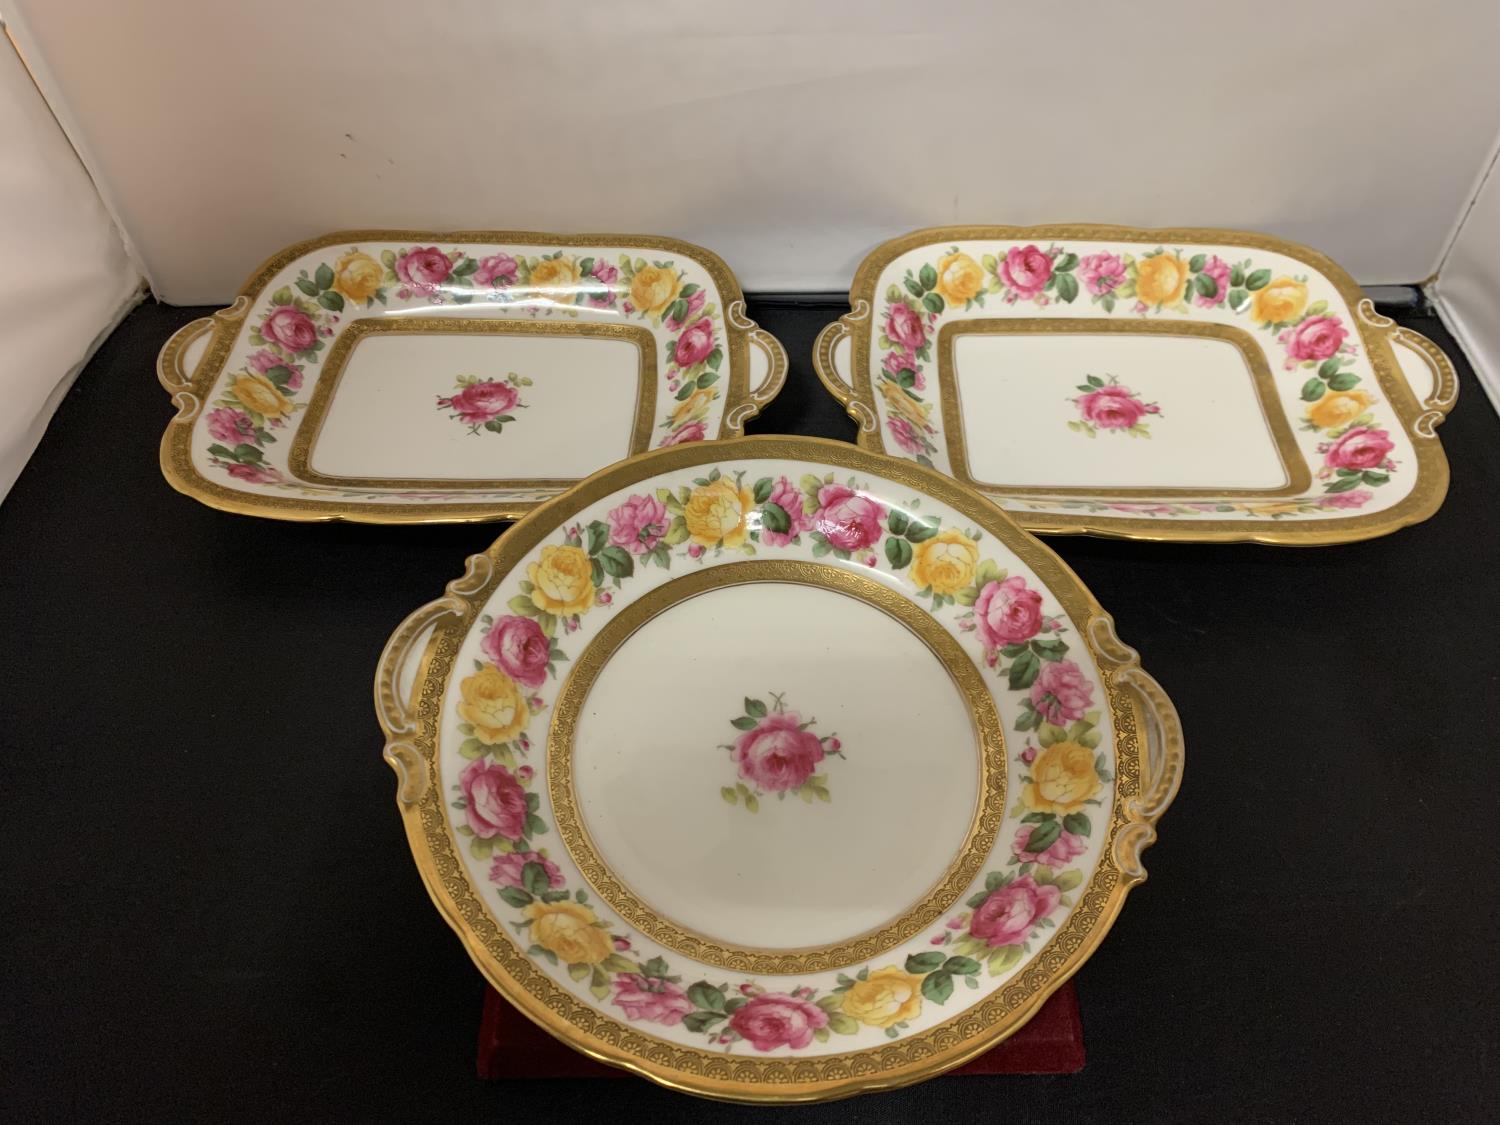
[{"x": 511, "y": 1046}]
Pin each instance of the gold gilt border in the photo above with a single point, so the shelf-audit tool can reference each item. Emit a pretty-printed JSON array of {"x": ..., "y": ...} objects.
[
  {"x": 190, "y": 391},
  {"x": 1149, "y": 759},
  {"x": 984, "y": 818},
  {"x": 332, "y": 376},
  {"x": 1293, "y": 464},
  {"x": 1376, "y": 333}
]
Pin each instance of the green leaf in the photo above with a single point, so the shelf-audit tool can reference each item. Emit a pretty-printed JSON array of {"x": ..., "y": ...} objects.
[
  {"x": 523, "y": 605},
  {"x": 534, "y": 878},
  {"x": 617, "y": 562},
  {"x": 1078, "y": 824},
  {"x": 701, "y": 1021},
  {"x": 933, "y": 303},
  {"x": 774, "y": 517},
  {"x": 580, "y": 971},
  {"x": 1067, "y": 286},
  {"x": 1258, "y": 280},
  {"x": 1065, "y": 263},
  {"x": 897, "y": 552},
  {"x": 1043, "y": 836},
  {"x": 1342, "y": 485},
  {"x": 307, "y": 287},
  {"x": 1196, "y": 263},
  {"x": 677, "y": 531},
  {"x": 897, "y": 521},
  {"x": 331, "y": 300},
  {"x": 921, "y": 529},
  {"x": 1236, "y": 276},
  {"x": 744, "y": 722},
  {"x": 247, "y": 453},
  {"x": 841, "y": 1024},
  {"x": 656, "y": 967},
  {"x": 598, "y": 536},
  {"x": 677, "y": 311},
  {"x": 282, "y": 296},
  {"x": 1053, "y": 649},
  {"x": 1090, "y": 738},
  {"x": 323, "y": 276},
  {"x": 1313, "y": 389},
  {"x": 535, "y": 826},
  {"x": 596, "y": 572},
  {"x": 707, "y": 996},
  {"x": 1003, "y": 958},
  {"x": 471, "y": 748},
  {"x": 755, "y": 708},
  {"x": 1206, "y": 286},
  {"x": 1024, "y": 671},
  {"x": 686, "y": 390},
  {"x": 729, "y": 795},
  {"x": 961, "y": 966},
  {"x": 919, "y": 963},
  {"x": 762, "y": 491},
  {"x": 515, "y": 896},
  {"x": 1329, "y": 367},
  {"x": 913, "y": 286},
  {"x": 938, "y": 986},
  {"x": 1343, "y": 380},
  {"x": 1372, "y": 477},
  {"x": 928, "y": 277},
  {"x": 1237, "y": 298},
  {"x": 1068, "y": 880},
  {"x": 689, "y": 289},
  {"x": 1047, "y": 734}
]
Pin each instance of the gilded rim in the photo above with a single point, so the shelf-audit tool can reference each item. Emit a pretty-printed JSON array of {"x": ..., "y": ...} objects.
[
  {"x": 190, "y": 390},
  {"x": 984, "y": 820},
  {"x": 1149, "y": 758},
  {"x": 1418, "y": 419}
]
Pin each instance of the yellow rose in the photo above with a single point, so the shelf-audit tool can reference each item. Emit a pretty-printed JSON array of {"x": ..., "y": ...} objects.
[
  {"x": 899, "y": 402},
  {"x": 562, "y": 581},
  {"x": 1161, "y": 280},
  {"x": 567, "y": 929},
  {"x": 1338, "y": 409},
  {"x": 693, "y": 407},
  {"x": 959, "y": 278},
  {"x": 1282, "y": 300},
  {"x": 357, "y": 275},
  {"x": 259, "y": 394},
  {"x": 494, "y": 705},
  {"x": 889, "y": 996},
  {"x": 1062, "y": 779},
  {"x": 946, "y": 562},
  {"x": 717, "y": 511},
  {"x": 653, "y": 289},
  {"x": 557, "y": 274}
]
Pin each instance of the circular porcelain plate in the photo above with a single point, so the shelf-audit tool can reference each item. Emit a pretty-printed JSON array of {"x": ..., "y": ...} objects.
[{"x": 774, "y": 770}]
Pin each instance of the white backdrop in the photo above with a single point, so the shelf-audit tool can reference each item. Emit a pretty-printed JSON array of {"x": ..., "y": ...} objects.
[
  {"x": 1468, "y": 287},
  {"x": 788, "y": 135}
]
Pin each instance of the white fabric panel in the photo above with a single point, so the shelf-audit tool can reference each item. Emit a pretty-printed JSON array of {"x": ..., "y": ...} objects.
[
  {"x": 789, "y": 136},
  {"x": 1467, "y": 290},
  {"x": 67, "y": 278}
]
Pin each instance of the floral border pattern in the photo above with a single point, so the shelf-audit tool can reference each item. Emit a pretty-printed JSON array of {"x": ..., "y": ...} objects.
[
  {"x": 1316, "y": 344},
  {"x": 298, "y": 320},
  {"x": 1064, "y": 771}
]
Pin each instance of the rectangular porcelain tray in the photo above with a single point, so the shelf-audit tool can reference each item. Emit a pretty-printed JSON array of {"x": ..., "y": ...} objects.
[
  {"x": 1169, "y": 384},
  {"x": 411, "y": 377}
]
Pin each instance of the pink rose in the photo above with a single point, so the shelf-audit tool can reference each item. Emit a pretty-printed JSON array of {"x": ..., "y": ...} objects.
[
  {"x": 696, "y": 341},
  {"x": 1008, "y": 613},
  {"x": 496, "y": 804},
  {"x": 788, "y": 498},
  {"x": 688, "y": 431},
  {"x": 905, "y": 434},
  {"x": 1026, "y": 270},
  {"x": 774, "y": 1019},
  {"x": 263, "y": 360},
  {"x": 520, "y": 648},
  {"x": 1111, "y": 408},
  {"x": 1011, "y": 911},
  {"x": 1316, "y": 338},
  {"x": 231, "y": 426},
  {"x": 1102, "y": 274},
  {"x": 694, "y": 306},
  {"x": 1354, "y": 498},
  {"x": 651, "y": 998},
  {"x": 255, "y": 474},
  {"x": 607, "y": 273},
  {"x": 1360, "y": 448},
  {"x": 905, "y": 327},
  {"x": 1061, "y": 692},
  {"x": 1066, "y": 848},
  {"x": 479, "y": 402},
  {"x": 497, "y": 268},
  {"x": 506, "y": 870},
  {"x": 638, "y": 524},
  {"x": 775, "y": 755},
  {"x": 424, "y": 269},
  {"x": 849, "y": 520},
  {"x": 1218, "y": 269},
  {"x": 897, "y": 362},
  {"x": 290, "y": 327}
]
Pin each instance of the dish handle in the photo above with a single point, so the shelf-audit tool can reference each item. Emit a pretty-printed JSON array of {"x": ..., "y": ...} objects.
[
  {"x": 833, "y": 339},
  {"x": 171, "y": 366},
  {"x": 1162, "y": 757},
  {"x": 772, "y": 357},
  {"x": 1442, "y": 391},
  {"x": 397, "y": 677}
]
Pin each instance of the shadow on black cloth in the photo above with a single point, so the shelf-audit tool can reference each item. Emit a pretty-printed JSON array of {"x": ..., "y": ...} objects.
[{"x": 212, "y": 913}]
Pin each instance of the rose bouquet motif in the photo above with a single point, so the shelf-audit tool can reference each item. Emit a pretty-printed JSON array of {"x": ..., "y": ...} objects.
[
  {"x": 1112, "y": 407},
  {"x": 777, "y": 752},
  {"x": 485, "y": 404}
]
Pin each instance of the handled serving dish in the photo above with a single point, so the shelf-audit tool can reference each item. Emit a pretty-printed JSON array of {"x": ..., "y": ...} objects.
[
  {"x": 1206, "y": 385},
  {"x": 774, "y": 769},
  {"x": 411, "y": 377}
]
